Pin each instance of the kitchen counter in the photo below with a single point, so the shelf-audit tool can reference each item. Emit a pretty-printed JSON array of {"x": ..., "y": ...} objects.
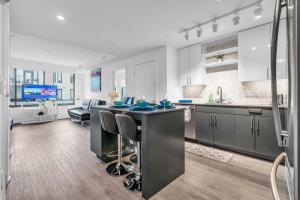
[
  {"x": 162, "y": 138},
  {"x": 259, "y": 106}
]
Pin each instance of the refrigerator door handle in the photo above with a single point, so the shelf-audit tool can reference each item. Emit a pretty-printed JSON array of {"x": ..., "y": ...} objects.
[
  {"x": 274, "y": 169},
  {"x": 276, "y": 114}
]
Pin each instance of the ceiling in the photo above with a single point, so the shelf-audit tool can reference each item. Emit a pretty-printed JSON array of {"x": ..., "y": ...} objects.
[
  {"x": 37, "y": 49},
  {"x": 124, "y": 28}
]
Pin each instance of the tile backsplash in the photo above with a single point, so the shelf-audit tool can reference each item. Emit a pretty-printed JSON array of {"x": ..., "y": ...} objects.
[{"x": 252, "y": 92}]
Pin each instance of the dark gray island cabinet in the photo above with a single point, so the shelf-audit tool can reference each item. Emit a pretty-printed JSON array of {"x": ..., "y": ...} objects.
[
  {"x": 162, "y": 146},
  {"x": 246, "y": 130}
]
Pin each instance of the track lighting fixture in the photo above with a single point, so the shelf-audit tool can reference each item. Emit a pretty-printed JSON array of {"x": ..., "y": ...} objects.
[
  {"x": 236, "y": 19},
  {"x": 199, "y": 32},
  {"x": 187, "y": 35},
  {"x": 214, "y": 26},
  {"x": 233, "y": 15},
  {"x": 258, "y": 11}
]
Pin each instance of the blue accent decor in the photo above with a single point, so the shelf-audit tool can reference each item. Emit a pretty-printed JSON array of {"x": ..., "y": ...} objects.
[
  {"x": 146, "y": 108},
  {"x": 185, "y": 101},
  {"x": 121, "y": 106},
  {"x": 166, "y": 107}
]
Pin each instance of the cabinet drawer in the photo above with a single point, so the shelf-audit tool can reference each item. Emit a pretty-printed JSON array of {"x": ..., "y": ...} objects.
[
  {"x": 211, "y": 109},
  {"x": 253, "y": 111}
]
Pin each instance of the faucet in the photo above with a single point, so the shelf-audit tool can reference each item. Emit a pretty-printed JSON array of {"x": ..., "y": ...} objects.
[{"x": 220, "y": 93}]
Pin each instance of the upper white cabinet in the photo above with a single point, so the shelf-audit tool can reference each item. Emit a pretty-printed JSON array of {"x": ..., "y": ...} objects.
[
  {"x": 254, "y": 47},
  {"x": 183, "y": 65},
  {"x": 254, "y": 53},
  {"x": 189, "y": 60}
]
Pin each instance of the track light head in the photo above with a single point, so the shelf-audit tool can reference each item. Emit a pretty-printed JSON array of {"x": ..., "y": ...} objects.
[
  {"x": 236, "y": 19},
  {"x": 214, "y": 26},
  {"x": 258, "y": 11},
  {"x": 186, "y": 35},
  {"x": 199, "y": 32}
]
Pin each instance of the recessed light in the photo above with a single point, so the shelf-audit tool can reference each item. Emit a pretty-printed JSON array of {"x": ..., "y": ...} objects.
[
  {"x": 60, "y": 17},
  {"x": 253, "y": 48},
  {"x": 269, "y": 45}
]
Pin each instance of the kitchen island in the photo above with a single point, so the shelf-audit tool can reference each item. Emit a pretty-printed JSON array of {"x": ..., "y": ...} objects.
[{"x": 162, "y": 146}]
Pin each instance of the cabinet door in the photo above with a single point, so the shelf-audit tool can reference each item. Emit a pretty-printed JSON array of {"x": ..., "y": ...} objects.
[
  {"x": 204, "y": 130},
  {"x": 244, "y": 133},
  {"x": 254, "y": 53},
  {"x": 224, "y": 130},
  {"x": 195, "y": 64},
  {"x": 265, "y": 139},
  {"x": 183, "y": 65}
]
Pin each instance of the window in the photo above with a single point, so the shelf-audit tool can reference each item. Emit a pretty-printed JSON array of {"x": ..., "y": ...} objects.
[
  {"x": 18, "y": 77},
  {"x": 65, "y": 82}
]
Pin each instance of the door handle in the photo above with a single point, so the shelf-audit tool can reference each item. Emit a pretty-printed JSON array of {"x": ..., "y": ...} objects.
[
  {"x": 216, "y": 122},
  {"x": 275, "y": 107},
  {"x": 252, "y": 125},
  {"x": 275, "y": 166},
  {"x": 211, "y": 122},
  {"x": 258, "y": 128}
]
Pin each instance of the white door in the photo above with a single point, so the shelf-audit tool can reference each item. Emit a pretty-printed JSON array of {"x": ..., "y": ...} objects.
[{"x": 145, "y": 81}]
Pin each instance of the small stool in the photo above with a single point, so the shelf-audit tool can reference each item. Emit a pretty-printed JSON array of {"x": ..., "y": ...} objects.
[
  {"x": 109, "y": 124},
  {"x": 128, "y": 128}
]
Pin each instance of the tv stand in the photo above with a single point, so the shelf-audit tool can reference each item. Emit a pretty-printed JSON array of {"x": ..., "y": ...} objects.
[{"x": 43, "y": 112}]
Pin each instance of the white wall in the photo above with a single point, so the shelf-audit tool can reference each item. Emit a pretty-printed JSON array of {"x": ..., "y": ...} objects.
[{"x": 158, "y": 55}]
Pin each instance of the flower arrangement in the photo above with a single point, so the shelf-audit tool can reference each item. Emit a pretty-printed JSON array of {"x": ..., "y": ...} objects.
[{"x": 113, "y": 95}]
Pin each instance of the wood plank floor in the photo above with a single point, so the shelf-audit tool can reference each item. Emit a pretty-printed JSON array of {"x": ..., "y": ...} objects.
[{"x": 52, "y": 161}]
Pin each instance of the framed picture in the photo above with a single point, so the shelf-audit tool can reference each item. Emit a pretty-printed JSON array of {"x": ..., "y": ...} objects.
[{"x": 96, "y": 80}]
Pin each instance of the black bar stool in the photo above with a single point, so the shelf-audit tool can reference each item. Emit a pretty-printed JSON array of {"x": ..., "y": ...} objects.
[
  {"x": 108, "y": 123},
  {"x": 128, "y": 128}
]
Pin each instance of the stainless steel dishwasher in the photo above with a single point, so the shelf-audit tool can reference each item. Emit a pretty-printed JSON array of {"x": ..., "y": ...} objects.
[{"x": 190, "y": 123}]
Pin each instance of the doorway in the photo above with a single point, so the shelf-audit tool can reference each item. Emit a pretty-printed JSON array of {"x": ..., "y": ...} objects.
[
  {"x": 119, "y": 82},
  {"x": 145, "y": 86}
]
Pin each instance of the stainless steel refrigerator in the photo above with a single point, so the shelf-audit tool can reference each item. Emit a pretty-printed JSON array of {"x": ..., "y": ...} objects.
[{"x": 289, "y": 138}]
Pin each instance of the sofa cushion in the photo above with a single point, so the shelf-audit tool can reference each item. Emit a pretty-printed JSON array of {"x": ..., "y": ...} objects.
[
  {"x": 80, "y": 112},
  {"x": 86, "y": 104}
]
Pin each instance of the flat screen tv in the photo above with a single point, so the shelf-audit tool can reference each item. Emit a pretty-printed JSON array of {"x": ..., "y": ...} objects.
[{"x": 39, "y": 92}]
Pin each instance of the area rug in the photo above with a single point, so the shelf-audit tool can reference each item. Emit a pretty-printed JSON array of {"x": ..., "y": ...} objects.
[{"x": 208, "y": 152}]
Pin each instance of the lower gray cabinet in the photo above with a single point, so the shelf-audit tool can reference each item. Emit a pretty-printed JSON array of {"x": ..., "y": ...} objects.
[
  {"x": 204, "y": 130},
  {"x": 223, "y": 130},
  {"x": 265, "y": 140},
  {"x": 244, "y": 133},
  {"x": 215, "y": 128},
  {"x": 256, "y": 134}
]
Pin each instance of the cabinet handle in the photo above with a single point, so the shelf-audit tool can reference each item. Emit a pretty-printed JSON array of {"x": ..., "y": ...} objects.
[
  {"x": 216, "y": 122},
  {"x": 187, "y": 81},
  {"x": 190, "y": 80},
  {"x": 258, "y": 129},
  {"x": 210, "y": 122},
  {"x": 252, "y": 125},
  {"x": 268, "y": 76}
]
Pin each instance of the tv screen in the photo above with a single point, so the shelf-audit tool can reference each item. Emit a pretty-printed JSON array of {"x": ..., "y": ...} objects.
[{"x": 42, "y": 92}]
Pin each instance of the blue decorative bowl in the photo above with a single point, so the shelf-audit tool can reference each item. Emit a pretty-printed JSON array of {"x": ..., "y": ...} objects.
[
  {"x": 119, "y": 103},
  {"x": 142, "y": 104},
  {"x": 165, "y": 103}
]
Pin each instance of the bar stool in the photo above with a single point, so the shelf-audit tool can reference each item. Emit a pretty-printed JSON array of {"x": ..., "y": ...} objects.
[
  {"x": 128, "y": 128},
  {"x": 108, "y": 123}
]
